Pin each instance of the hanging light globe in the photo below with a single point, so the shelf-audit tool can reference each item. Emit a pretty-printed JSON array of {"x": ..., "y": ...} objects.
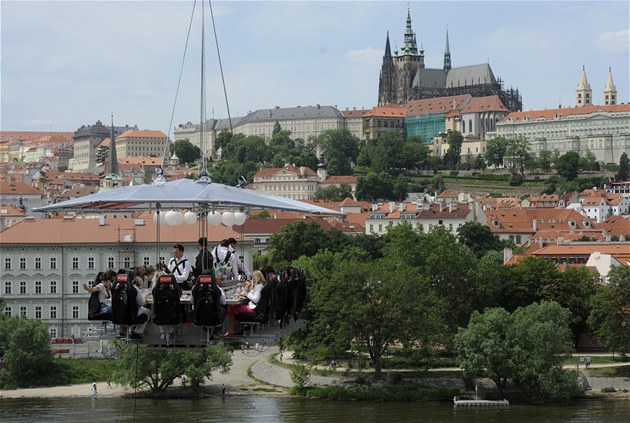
[
  {"x": 190, "y": 217},
  {"x": 162, "y": 217},
  {"x": 179, "y": 218},
  {"x": 228, "y": 219},
  {"x": 214, "y": 218},
  {"x": 239, "y": 218},
  {"x": 171, "y": 217}
]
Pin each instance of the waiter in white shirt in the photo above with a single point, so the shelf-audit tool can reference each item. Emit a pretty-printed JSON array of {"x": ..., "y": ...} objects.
[
  {"x": 180, "y": 267},
  {"x": 241, "y": 265}
]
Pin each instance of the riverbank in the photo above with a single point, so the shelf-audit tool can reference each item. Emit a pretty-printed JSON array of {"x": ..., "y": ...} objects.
[{"x": 254, "y": 373}]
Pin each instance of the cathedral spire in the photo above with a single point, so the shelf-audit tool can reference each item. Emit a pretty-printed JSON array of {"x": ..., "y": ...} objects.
[
  {"x": 113, "y": 157},
  {"x": 583, "y": 92},
  {"x": 409, "y": 48},
  {"x": 113, "y": 179},
  {"x": 610, "y": 91},
  {"x": 388, "y": 51},
  {"x": 447, "y": 54}
]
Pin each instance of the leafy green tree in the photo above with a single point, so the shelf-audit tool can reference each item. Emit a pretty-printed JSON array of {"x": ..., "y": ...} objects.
[
  {"x": 340, "y": 149},
  {"x": 372, "y": 305},
  {"x": 544, "y": 160},
  {"x": 299, "y": 239},
  {"x": 186, "y": 151},
  {"x": 573, "y": 290},
  {"x": 523, "y": 284},
  {"x": 415, "y": 153},
  {"x": 589, "y": 161},
  {"x": 227, "y": 171},
  {"x": 27, "y": 356},
  {"x": 568, "y": 165},
  {"x": 479, "y": 238},
  {"x": 138, "y": 366},
  {"x": 374, "y": 186},
  {"x": 518, "y": 152},
  {"x": 334, "y": 192},
  {"x": 300, "y": 375},
  {"x": 401, "y": 187},
  {"x": 485, "y": 349},
  {"x": 624, "y": 168},
  {"x": 542, "y": 341},
  {"x": 609, "y": 317},
  {"x": 453, "y": 156},
  {"x": 495, "y": 151},
  {"x": 528, "y": 346},
  {"x": 479, "y": 163}
]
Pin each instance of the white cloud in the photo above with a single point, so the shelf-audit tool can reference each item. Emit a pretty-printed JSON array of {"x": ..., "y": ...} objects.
[
  {"x": 366, "y": 55},
  {"x": 613, "y": 40}
]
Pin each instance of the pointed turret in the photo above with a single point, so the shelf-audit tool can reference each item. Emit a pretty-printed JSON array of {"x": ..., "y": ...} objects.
[
  {"x": 583, "y": 92},
  {"x": 610, "y": 91},
  {"x": 447, "y": 55},
  {"x": 113, "y": 156},
  {"x": 113, "y": 179},
  {"x": 409, "y": 45},
  {"x": 387, "y": 79}
]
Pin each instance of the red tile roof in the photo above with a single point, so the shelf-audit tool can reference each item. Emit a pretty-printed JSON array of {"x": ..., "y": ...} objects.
[
  {"x": 521, "y": 220},
  {"x": 267, "y": 172},
  {"x": 437, "y": 105},
  {"x": 563, "y": 113},
  {"x": 88, "y": 231},
  {"x": 484, "y": 104},
  {"x": 387, "y": 111},
  {"x": 17, "y": 188},
  {"x": 141, "y": 133},
  {"x": 340, "y": 180}
]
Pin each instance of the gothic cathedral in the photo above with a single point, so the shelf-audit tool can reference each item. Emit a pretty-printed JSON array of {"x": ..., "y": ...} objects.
[{"x": 404, "y": 77}]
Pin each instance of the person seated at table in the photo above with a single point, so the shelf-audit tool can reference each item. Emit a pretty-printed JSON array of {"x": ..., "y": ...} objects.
[
  {"x": 247, "y": 311},
  {"x": 209, "y": 302},
  {"x": 144, "y": 313},
  {"x": 102, "y": 284}
]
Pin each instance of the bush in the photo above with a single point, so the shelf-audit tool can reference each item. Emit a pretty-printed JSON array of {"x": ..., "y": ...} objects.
[
  {"x": 300, "y": 375},
  {"x": 516, "y": 180}
]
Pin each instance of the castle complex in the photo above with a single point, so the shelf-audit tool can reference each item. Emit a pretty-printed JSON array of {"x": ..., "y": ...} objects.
[{"x": 404, "y": 76}]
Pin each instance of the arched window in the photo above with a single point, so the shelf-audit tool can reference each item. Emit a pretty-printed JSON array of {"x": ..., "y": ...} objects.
[
  {"x": 463, "y": 126},
  {"x": 470, "y": 125}
]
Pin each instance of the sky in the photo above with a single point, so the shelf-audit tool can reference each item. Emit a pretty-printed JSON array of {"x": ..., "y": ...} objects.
[{"x": 70, "y": 63}]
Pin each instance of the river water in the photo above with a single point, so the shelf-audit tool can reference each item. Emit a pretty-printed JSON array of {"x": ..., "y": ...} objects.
[{"x": 272, "y": 409}]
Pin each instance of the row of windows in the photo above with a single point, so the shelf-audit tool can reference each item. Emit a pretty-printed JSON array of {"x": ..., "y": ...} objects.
[
  {"x": 38, "y": 310},
  {"x": 287, "y": 187},
  {"x": 38, "y": 287},
  {"x": 75, "y": 264},
  {"x": 451, "y": 226}
]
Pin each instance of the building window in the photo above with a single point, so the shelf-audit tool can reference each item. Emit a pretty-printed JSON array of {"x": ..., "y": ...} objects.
[
  {"x": 22, "y": 263},
  {"x": 75, "y": 287},
  {"x": 380, "y": 228},
  {"x": 38, "y": 312},
  {"x": 146, "y": 261},
  {"x": 7, "y": 288},
  {"x": 38, "y": 263},
  {"x": 371, "y": 228},
  {"x": 470, "y": 125},
  {"x": 75, "y": 262},
  {"x": 110, "y": 262},
  {"x": 127, "y": 262},
  {"x": 53, "y": 287},
  {"x": 75, "y": 312},
  {"x": 7, "y": 263},
  {"x": 53, "y": 312},
  {"x": 23, "y": 311},
  {"x": 38, "y": 287},
  {"x": 23, "y": 287},
  {"x": 7, "y": 311},
  {"x": 53, "y": 262},
  {"x": 53, "y": 332},
  {"x": 90, "y": 262}
]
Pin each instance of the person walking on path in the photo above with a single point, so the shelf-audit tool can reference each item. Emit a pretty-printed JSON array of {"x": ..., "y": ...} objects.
[{"x": 94, "y": 389}]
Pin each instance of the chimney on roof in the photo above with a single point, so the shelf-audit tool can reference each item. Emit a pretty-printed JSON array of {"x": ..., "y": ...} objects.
[
  {"x": 559, "y": 240},
  {"x": 302, "y": 171},
  {"x": 441, "y": 206},
  {"x": 540, "y": 242},
  {"x": 101, "y": 220},
  {"x": 392, "y": 206},
  {"x": 450, "y": 207},
  {"x": 402, "y": 207},
  {"x": 534, "y": 225}
]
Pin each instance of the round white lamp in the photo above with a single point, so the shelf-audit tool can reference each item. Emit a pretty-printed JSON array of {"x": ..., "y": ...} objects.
[
  {"x": 214, "y": 218},
  {"x": 190, "y": 217},
  {"x": 239, "y": 218},
  {"x": 228, "y": 219},
  {"x": 171, "y": 217}
]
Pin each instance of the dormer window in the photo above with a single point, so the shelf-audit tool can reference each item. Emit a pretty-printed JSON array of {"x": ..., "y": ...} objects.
[{"x": 496, "y": 223}]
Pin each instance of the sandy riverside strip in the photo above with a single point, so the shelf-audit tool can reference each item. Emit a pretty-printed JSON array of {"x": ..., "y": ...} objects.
[
  {"x": 237, "y": 381},
  {"x": 268, "y": 380}
]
